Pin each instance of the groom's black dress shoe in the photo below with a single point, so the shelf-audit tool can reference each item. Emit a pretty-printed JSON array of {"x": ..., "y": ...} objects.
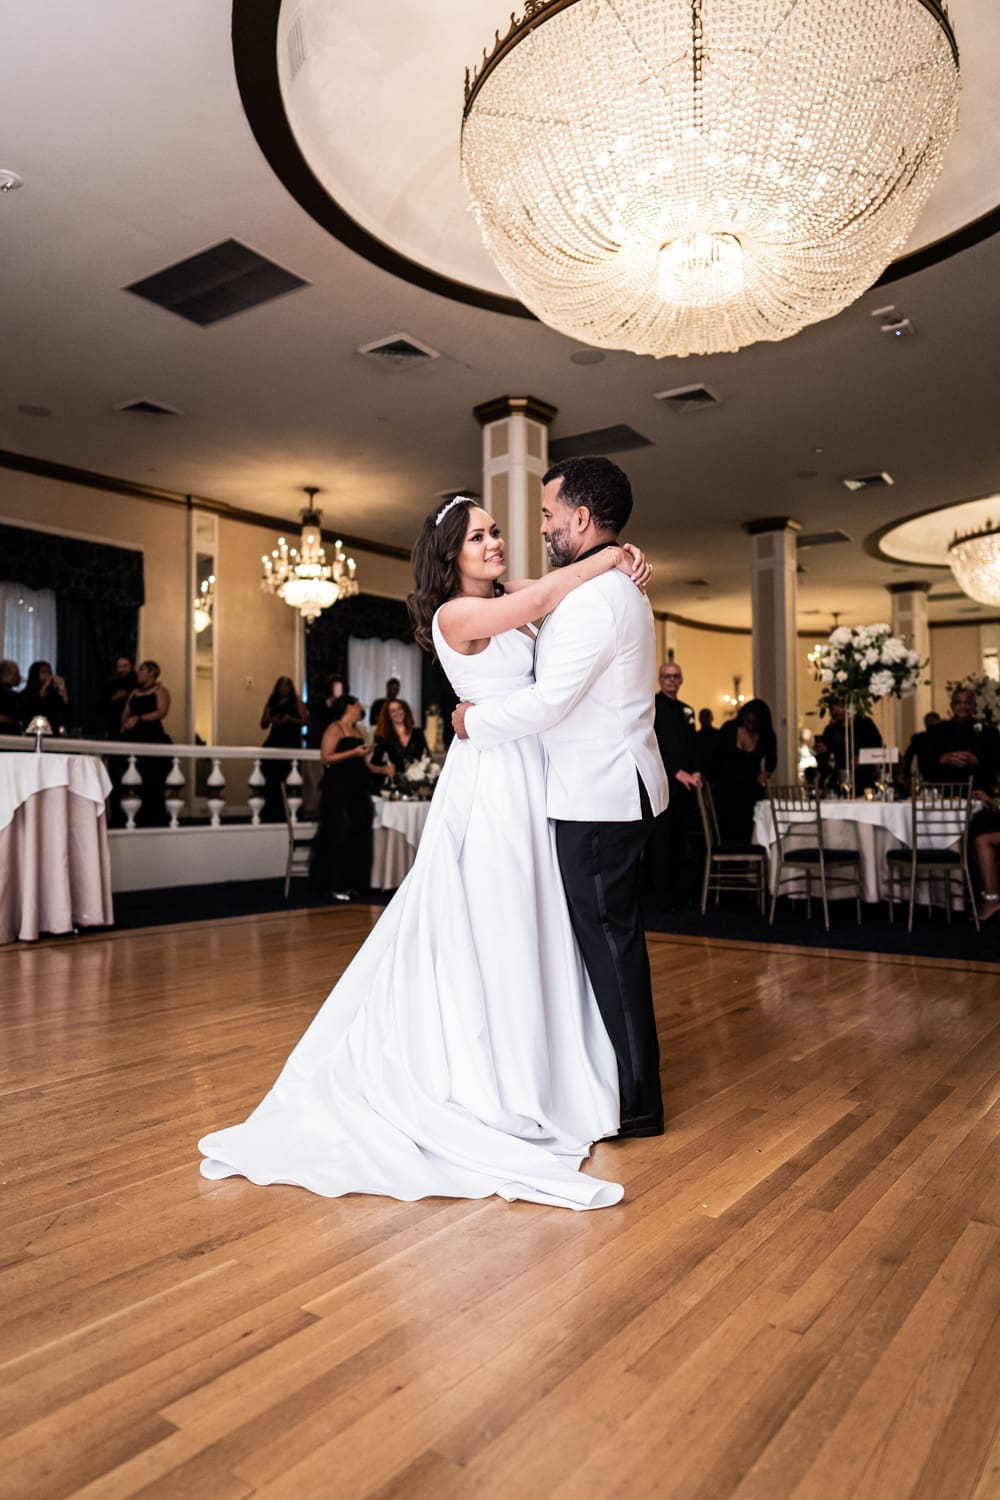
[{"x": 635, "y": 1129}]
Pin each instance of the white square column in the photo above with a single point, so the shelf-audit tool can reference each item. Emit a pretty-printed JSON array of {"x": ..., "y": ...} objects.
[
  {"x": 515, "y": 456},
  {"x": 774, "y": 599}
]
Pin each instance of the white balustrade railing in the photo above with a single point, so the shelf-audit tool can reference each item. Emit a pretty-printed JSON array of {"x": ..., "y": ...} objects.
[{"x": 130, "y": 780}]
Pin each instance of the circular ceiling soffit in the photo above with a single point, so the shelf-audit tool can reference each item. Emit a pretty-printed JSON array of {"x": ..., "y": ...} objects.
[
  {"x": 358, "y": 112},
  {"x": 923, "y": 539}
]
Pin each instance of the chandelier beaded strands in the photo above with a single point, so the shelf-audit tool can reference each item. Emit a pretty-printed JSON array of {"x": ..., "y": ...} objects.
[
  {"x": 301, "y": 575},
  {"x": 975, "y": 562},
  {"x": 682, "y": 177}
]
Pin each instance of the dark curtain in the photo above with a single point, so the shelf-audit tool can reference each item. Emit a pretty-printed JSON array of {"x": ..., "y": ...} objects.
[
  {"x": 99, "y": 591},
  {"x": 364, "y": 616}
]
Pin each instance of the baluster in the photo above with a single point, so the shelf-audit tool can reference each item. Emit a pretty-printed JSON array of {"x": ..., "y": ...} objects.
[
  {"x": 216, "y": 802},
  {"x": 255, "y": 801},
  {"x": 293, "y": 791},
  {"x": 174, "y": 801},
  {"x": 131, "y": 803}
]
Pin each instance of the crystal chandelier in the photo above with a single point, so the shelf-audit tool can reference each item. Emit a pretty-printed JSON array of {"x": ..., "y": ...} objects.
[
  {"x": 975, "y": 562},
  {"x": 691, "y": 176},
  {"x": 302, "y": 576}
]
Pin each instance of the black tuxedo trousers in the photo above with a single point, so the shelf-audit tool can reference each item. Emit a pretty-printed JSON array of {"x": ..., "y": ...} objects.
[{"x": 599, "y": 863}]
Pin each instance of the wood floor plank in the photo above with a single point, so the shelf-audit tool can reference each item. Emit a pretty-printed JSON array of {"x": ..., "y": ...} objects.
[{"x": 798, "y": 1295}]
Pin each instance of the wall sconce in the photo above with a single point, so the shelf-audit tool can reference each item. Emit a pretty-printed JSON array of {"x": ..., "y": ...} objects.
[{"x": 735, "y": 699}]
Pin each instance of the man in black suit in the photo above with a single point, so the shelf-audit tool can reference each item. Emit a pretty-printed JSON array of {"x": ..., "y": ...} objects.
[{"x": 670, "y": 871}]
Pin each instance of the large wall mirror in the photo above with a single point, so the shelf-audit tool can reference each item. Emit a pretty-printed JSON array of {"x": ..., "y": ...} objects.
[{"x": 203, "y": 626}]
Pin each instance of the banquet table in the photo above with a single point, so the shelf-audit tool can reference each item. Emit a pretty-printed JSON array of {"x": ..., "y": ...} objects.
[
  {"x": 873, "y": 828},
  {"x": 397, "y": 826},
  {"x": 55, "y": 869}
]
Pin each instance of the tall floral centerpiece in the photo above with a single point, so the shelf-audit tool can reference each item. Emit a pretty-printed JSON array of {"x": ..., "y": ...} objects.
[{"x": 857, "y": 667}]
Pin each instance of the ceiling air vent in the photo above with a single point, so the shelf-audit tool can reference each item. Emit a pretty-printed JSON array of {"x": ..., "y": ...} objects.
[
  {"x": 688, "y": 398},
  {"x": 144, "y": 406},
  {"x": 229, "y": 278},
  {"x": 398, "y": 352},
  {"x": 867, "y": 481},
  {"x": 602, "y": 441},
  {"x": 821, "y": 538}
]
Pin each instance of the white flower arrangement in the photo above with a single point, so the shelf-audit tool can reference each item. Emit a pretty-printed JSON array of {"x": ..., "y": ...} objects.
[
  {"x": 419, "y": 775},
  {"x": 860, "y": 665},
  {"x": 987, "y": 691}
]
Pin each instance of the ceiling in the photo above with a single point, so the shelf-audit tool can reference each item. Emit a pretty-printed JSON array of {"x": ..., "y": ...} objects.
[{"x": 127, "y": 126}]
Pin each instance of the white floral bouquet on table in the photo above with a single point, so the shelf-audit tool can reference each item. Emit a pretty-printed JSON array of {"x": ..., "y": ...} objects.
[
  {"x": 863, "y": 664},
  {"x": 418, "y": 778},
  {"x": 987, "y": 691}
]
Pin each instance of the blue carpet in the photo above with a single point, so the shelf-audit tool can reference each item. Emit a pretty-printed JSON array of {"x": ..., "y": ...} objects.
[{"x": 736, "y": 921}]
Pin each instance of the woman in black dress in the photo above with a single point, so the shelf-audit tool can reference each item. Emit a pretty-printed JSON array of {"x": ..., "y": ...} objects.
[
  {"x": 342, "y": 848},
  {"x": 146, "y": 706},
  {"x": 44, "y": 694},
  {"x": 284, "y": 718},
  {"x": 398, "y": 741},
  {"x": 745, "y": 755}
]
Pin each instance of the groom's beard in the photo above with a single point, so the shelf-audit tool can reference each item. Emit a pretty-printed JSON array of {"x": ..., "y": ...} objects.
[{"x": 558, "y": 550}]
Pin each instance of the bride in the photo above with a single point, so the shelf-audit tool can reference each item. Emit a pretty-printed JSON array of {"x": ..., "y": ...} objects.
[{"x": 462, "y": 1052}]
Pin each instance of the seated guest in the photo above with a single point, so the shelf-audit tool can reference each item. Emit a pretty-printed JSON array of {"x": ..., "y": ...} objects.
[
  {"x": 746, "y": 754},
  {"x": 984, "y": 842},
  {"x": 912, "y": 752},
  {"x": 705, "y": 740},
  {"x": 830, "y": 748},
  {"x": 285, "y": 718},
  {"x": 10, "y": 698},
  {"x": 398, "y": 742},
  {"x": 114, "y": 695},
  {"x": 44, "y": 694},
  {"x": 146, "y": 706},
  {"x": 961, "y": 747},
  {"x": 341, "y": 857},
  {"x": 391, "y": 691}
]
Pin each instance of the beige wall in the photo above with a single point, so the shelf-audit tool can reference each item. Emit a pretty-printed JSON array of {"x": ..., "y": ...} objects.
[
  {"x": 709, "y": 660},
  {"x": 956, "y": 651},
  {"x": 255, "y": 632}
]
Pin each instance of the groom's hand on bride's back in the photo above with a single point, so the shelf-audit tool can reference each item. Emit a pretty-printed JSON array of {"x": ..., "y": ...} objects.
[{"x": 458, "y": 720}]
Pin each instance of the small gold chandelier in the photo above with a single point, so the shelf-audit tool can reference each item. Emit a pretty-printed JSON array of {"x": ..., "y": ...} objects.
[
  {"x": 302, "y": 576},
  {"x": 975, "y": 562},
  {"x": 691, "y": 176}
]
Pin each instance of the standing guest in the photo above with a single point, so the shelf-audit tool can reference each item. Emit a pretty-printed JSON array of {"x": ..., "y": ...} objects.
[
  {"x": 114, "y": 694},
  {"x": 745, "y": 756},
  {"x": 705, "y": 740},
  {"x": 146, "y": 706},
  {"x": 961, "y": 746},
  {"x": 391, "y": 691},
  {"x": 398, "y": 741},
  {"x": 10, "y": 698},
  {"x": 670, "y": 871},
  {"x": 830, "y": 748},
  {"x": 45, "y": 694},
  {"x": 284, "y": 718},
  {"x": 342, "y": 848}
]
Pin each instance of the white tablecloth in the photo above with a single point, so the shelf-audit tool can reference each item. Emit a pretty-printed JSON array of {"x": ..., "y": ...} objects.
[
  {"x": 55, "y": 869},
  {"x": 397, "y": 828},
  {"x": 873, "y": 828}
]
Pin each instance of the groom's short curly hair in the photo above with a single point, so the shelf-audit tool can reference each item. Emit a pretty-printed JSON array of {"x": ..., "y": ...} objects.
[{"x": 598, "y": 484}]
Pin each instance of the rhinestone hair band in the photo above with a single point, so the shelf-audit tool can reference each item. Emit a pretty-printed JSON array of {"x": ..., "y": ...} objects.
[{"x": 457, "y": 500}]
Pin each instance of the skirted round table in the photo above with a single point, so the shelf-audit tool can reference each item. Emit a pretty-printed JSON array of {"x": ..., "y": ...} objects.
[{"x": 397, "y": 826}]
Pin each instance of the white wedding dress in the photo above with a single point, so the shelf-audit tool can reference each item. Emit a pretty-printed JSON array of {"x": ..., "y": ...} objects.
[{"x": 462, "y": 1052}]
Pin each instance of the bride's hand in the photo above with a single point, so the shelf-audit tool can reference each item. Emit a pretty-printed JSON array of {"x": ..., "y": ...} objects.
[{"x": 635, "y": 565}]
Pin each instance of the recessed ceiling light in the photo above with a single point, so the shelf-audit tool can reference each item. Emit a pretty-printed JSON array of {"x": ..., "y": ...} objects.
[
  {"x": 587, "y": 357},
  {"x": 28, "y": 410},
  {"x": 10, "y": 181},
  {"x": 807, "y": 473}
]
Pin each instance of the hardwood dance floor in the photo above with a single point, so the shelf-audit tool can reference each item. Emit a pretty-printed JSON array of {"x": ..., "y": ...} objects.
[{"x": 798, "y": 1299}]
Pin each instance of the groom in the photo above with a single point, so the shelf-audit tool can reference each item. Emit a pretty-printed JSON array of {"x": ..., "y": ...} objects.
[{"x": 592, "y": 702}]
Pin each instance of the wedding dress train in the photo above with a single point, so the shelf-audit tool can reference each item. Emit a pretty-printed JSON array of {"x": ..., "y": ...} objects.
[{"x": 462, "y": 1052}]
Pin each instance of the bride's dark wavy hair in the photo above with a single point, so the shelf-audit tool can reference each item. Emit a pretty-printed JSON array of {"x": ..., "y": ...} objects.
[{"x": 434, "y": 560}]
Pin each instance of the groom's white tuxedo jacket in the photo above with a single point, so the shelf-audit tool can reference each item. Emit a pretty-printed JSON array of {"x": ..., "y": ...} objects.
[{"x": 593, "y": 704}]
